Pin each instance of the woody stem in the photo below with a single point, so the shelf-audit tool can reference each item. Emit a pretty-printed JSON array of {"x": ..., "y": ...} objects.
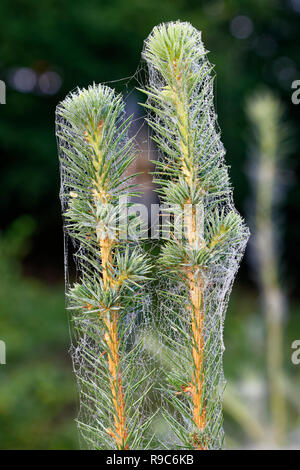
[
  {"x": 111, "y": 317},
  {"x": 194, "y": 280}
]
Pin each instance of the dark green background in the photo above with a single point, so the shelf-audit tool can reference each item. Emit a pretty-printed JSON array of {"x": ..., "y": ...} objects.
[{"x": 99, "y": 41}]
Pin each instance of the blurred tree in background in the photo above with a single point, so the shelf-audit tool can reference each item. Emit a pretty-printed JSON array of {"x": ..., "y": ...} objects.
[{"x": 47, "y": 49}]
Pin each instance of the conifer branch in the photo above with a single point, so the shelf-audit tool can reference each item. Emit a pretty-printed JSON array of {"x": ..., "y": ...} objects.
[
  {"x": 201, "y": 265},
  {"x": 95, "y": 153}
]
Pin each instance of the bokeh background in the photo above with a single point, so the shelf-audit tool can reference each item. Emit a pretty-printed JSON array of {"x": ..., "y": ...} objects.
[{"x": 47, "y": 49}]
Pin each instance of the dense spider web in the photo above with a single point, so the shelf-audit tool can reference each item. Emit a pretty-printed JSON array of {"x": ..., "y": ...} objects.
[
  {"x": 162, "y": 319},
  {"x": 173, "y": 314},
  {"x": 87, "y": 335}
]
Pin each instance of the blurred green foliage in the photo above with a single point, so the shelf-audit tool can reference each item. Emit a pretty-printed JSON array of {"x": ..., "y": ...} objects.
[
  {"x": 101, "y": 40},
  {"x": 37, "y": 393},
  {"x": 247, "y": 419}
]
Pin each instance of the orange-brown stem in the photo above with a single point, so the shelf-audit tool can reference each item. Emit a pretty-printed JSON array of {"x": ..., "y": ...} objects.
[
  {"x": 111, "y": 338},
  {"x": 196, "y": 387},
  {"x": 110, "y": 318},
  {"x": 112, "y": 341},
  {"x": 197, "y": 326},
  {"x": 106, "y": 260}
]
